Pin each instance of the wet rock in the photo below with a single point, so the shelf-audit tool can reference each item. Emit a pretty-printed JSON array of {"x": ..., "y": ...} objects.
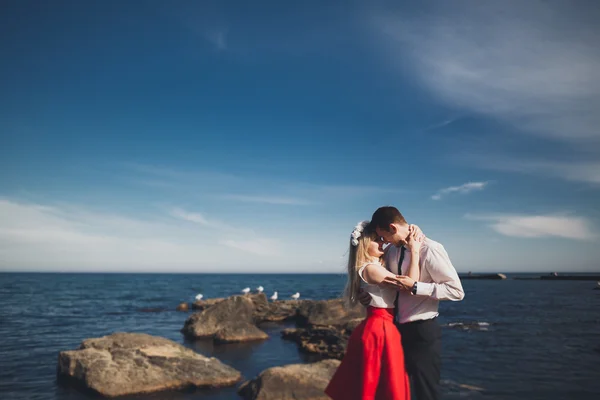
[
  {"x": 183, "y": 307},
  {"x": 230, "y": 320},
  {"x": 326, "y": 341},
  {"x": 291, "y": 382},
  {"x": 469, "y": 326},
  {"x": 133, "y": 363}
]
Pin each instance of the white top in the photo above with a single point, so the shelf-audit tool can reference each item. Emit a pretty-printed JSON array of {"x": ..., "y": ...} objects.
[
  {"x": 438, "y": 281},
  {"x": 381, "y": 297}
]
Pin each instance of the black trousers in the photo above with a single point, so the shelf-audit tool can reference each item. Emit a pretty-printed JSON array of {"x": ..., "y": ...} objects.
[{"x": 422, "y": 344}]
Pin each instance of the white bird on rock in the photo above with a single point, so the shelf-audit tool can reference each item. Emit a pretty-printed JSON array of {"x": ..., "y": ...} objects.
[
  {"x": 295, "y": 296},
  {"x": 246, "y": 290},
  {"x": 199, "y": 297},
  {"x": 260, "y": 289},
  {"x": 274, "y": 297}
]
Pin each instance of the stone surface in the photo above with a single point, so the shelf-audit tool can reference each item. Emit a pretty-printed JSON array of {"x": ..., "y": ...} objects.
[
  {"x": 204, "y": 304},
  {"x": 291, "y": 382},
  {"x": 230, "y": 320},
  {"x": 278, "y": 311},
  {"x": 131, "y": 363},
  {"x": 327, "y": 312},
  {"x": 183, "y": 307}
]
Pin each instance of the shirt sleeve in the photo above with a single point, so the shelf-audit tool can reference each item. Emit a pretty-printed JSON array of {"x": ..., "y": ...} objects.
[{"x": 446, "y": 284}]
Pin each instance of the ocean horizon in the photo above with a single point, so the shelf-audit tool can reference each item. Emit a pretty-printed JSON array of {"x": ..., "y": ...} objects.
[{"x": 513, "y": 339}]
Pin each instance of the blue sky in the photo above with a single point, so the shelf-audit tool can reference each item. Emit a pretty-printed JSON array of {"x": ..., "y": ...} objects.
[{"x": 236, "y": 137}]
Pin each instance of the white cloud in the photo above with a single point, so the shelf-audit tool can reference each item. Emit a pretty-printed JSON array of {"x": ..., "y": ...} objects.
[
  {"x": 532, "y": 64},
  {"x": 463, "y": 189},
  {"x": 67, "y": 237},
  {"x": 538, "y": 226}
]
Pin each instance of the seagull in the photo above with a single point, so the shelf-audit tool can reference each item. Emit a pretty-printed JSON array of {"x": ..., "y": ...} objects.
[
  {"x": 295, "y": 296},
  {"x": 199, "y": 297},
  {"x": 260, "y": 289},
  {"x": 246, "y": 290},
  {"x": 274, "y": 297}
]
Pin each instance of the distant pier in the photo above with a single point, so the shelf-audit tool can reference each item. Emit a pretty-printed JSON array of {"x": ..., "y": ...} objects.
[
  {"x": 570, "y": 277},
  {"x": 483, "y": 276}
]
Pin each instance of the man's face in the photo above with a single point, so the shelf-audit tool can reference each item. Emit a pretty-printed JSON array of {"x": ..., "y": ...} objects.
[{"x": 395, "y": 235}]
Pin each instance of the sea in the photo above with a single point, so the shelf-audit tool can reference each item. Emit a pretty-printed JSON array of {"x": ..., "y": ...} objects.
[{"x": 508, "y": 339}]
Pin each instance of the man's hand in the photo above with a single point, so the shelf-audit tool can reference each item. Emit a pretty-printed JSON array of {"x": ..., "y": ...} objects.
[
  {"x": 396, "y": 283},
  {"x": 364, "y": 298}
]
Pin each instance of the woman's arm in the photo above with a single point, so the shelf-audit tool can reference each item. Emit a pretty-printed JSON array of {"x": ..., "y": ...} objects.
[
  {"x": 415, "y": 240},
  {"x": 374, "y": 274}
]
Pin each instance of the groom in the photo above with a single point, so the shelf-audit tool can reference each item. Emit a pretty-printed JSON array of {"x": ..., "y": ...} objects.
[{"x": 417, "y": 302}]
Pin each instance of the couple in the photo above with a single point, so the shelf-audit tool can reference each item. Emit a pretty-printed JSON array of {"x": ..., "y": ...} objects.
[{"x": 400, "y": 340}]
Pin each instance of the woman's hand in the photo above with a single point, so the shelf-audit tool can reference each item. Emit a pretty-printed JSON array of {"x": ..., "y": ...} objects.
[
  {"x": 415, "y": 239},
  {"x": 406, "y": 282}
]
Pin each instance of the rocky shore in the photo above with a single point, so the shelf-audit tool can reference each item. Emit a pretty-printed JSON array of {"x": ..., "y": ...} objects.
[{"x": 133, "y": 363}]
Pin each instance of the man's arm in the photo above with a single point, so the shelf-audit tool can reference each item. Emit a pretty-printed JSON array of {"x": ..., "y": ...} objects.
[{"x": 446, "y": 284}]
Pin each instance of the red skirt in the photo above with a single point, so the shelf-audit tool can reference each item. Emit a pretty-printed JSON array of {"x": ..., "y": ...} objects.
[{"x": 373, "y": 366}]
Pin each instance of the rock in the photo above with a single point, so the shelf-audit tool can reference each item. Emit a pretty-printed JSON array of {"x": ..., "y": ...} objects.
[
  {"x": 325, "y": 341},
  {"x": 291, "y": 382},
  {"x": 183, "y": 307},
  {"x": 132, "y": 363},
  {"x": 204, "y": 304},
  {"x": 469, "y": 326},
  {"x": 278, "y": 311},
  {"x": 327, "y": 312},
  {"x": 230, "y": 320}
]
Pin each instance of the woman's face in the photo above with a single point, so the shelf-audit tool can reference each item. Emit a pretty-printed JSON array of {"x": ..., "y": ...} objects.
[{"x": 375, "y": 248}]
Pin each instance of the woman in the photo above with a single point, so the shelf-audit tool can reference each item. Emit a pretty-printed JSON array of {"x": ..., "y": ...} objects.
[{"x": 373, "y": 366}]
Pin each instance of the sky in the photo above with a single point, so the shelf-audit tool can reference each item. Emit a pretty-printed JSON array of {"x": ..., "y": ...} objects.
[{"x": 235, "y": 136}]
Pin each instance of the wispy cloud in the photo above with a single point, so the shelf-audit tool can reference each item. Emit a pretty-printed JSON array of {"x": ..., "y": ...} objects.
[
  {"x": 291, "y": 201},
  {"x": 244, "y": 188},
  {"x": 262, "y": 247},
  {"x": 574, "y": 171},
  {"x": 67, "y": 237},
  {"x": 538, "y": 226},
  {"x": 442, "y": 124},
  {"x": 188, "y": 216},
  {"x": 462, "y": 189},
  {"x": 218, "y": 37},
  {"x": 514, "y": 61}
]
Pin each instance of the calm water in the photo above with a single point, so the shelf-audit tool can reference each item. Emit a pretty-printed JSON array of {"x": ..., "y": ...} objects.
[{"x": 542, "y": 341}]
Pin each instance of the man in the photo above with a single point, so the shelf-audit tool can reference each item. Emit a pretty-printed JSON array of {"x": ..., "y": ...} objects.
[{"x": 417, "y": 302}]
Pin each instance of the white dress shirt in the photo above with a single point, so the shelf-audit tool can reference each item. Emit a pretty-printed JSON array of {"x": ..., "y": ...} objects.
[{"x": 438, "y": 281}]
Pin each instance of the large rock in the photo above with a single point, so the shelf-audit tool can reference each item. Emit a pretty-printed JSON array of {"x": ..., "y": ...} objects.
[
  {"x": 130, "y": 363},
  {"x": 291, "y": 382},
  {"x": 278, "y": 311},
  {"x": 327, "y": 312},
  {"x": 204, "y": 304},
  {"x": 231, "y": 320},
  {"x": 326, "y": 341}
]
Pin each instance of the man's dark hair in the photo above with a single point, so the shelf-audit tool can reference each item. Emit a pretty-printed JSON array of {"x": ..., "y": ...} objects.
[{"x": 384, "y": 216}]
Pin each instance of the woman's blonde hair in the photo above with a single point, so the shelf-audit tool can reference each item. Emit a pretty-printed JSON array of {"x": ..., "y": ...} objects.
[{"x": 358, "y": 256}]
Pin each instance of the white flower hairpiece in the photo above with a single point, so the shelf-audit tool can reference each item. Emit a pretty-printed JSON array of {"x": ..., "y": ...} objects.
[{"x": 357, "y": 232}]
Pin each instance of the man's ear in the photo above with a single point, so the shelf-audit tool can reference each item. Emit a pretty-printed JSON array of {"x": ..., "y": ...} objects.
[{"x": 393, "y": 229}]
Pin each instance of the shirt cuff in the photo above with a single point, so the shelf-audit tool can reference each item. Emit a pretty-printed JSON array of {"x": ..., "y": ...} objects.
[{"x": 425, "y": 289}]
